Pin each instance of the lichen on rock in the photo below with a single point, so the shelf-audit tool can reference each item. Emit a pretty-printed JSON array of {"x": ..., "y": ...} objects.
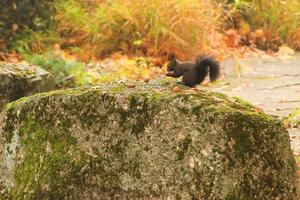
[
  {"x": 142, "y": 142},
  {"x": 18, "y": 80}
]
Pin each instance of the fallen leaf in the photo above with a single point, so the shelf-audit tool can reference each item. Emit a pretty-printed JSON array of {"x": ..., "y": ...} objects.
[
  {"x": 177, "y": 89},
  {"x": 155, "y": 61},
  {"x": 296, "y": 39},
  {"x": 195, "y": 89},
  {"x": 269, "y": 51},
  {"x": 205, "y": 83},
  {"x": 232, "y": 38},
  {"x": 220, "y": 57},
  {"x": 259, "y": 33},
  {"x": 131, "y": 86},
  {"x": 286, "y": 124},
  {"x": 258, "y": 110}
]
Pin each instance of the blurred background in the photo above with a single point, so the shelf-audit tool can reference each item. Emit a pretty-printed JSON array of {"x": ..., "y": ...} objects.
[{"x": 86, "y": 42}]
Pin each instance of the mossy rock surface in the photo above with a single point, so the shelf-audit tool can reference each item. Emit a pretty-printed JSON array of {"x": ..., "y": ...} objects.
[
  {"x": 18, "y": 80},
  {"x": 142, "y": 141}
]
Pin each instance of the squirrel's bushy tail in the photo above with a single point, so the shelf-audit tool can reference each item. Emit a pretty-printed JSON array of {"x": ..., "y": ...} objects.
[{"x": 208, "y": 62}]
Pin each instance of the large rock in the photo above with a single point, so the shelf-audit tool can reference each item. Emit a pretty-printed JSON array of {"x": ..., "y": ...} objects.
[
  {"x": 143, "y": 142},
  {"x": 19, "y": 80}
]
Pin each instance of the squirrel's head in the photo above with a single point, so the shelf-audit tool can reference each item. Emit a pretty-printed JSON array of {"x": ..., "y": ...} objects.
[{"x": 172, "y": 62}]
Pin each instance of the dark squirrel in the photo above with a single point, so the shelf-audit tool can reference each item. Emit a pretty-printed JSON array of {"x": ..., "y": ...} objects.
[{"x": 193, "y": 73}]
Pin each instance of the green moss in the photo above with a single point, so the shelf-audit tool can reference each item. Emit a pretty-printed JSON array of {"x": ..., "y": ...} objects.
[
  {"x": 47, "y": 155},
  {"x": 221, "y": 96},
  {"x": 118, "y": 89},
  {"x": 67, "y": 92},
  {"x": 183, "y": 147},
  {"x": 20, "y": 70},
  {"x": 243, "y": 102},
  {"x": 139, "y": 113},
  {"x": 14, "y": 104}
]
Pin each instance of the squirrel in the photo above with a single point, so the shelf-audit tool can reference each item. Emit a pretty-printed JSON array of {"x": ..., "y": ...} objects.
[{"x": 193, "y": 73}]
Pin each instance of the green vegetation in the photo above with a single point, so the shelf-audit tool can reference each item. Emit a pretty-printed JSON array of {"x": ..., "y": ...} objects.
[
  {"x": 89, "y": 30},
  {"x": 278, "y": 19},
  {"x": 50, "y": 156},
  {"x": 153, "y": 27},
  {"x": 293, "y": 119},
  {"x": 67, "y": 72},
  {"x": 97, "y": 28},
  {"x": 148, "y": 27},
  {"x": 19, "y": 19}
]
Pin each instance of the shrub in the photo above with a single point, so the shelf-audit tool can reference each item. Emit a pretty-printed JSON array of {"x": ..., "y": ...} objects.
[
  {"x": 278, "y": 19},
  {"x": 23, "y": 16},
  {"x": 67, "y": 72},
  {"x": 149, "y": 26}
]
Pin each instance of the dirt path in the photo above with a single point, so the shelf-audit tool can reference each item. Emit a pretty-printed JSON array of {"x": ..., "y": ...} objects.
[{"x": 268, "y": 82}]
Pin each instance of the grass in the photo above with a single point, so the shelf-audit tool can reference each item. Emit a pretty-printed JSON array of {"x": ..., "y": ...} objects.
[
  {"x": 293, "y": 119},
  {"x": 67, "y": 72},
  {"x": 155, "y": 28},
  {"x": 279, "y": 19},
  {"x": 30, "y": 41},
  {"x": 152, "y": 27}
]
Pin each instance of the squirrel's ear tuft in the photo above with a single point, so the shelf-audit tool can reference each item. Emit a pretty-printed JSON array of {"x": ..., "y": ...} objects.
[{"x": 172, "y": 56}]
